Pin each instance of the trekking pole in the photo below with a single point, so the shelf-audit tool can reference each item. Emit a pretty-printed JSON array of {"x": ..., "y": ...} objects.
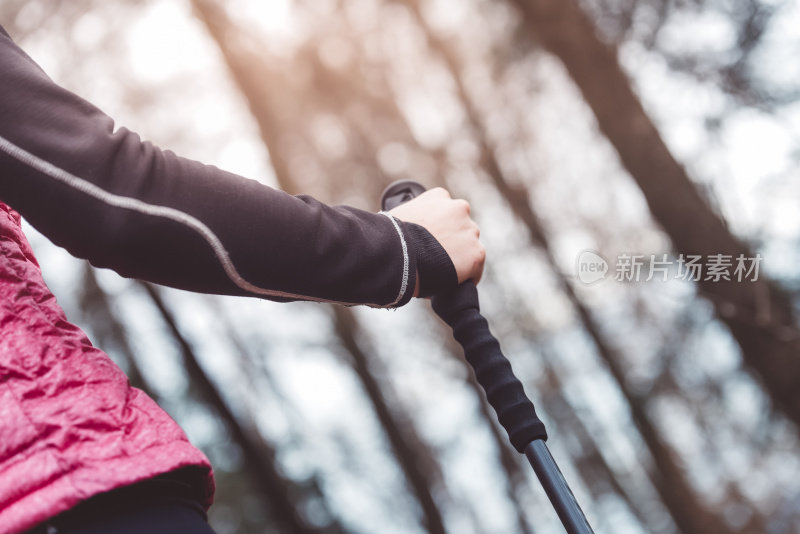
[{"x": 459, "y": 308}]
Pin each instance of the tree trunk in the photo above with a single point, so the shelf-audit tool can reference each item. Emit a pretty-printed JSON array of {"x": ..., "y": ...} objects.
[
  {"x": 676, "y": 492},
  {"x": 282, "y": 496},
  {"x": 108, "y": 331},
  {"x": 411, "y": 453},
  {"x": 415, "y": 458},
  {"x": 757, "y": 313}
]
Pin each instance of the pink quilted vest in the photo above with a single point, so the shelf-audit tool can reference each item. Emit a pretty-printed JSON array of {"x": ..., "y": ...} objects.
[{"x": 70, "y": 424}]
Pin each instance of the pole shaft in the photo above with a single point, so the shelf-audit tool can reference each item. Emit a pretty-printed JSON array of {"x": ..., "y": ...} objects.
[{"x": 561, "y": 497}]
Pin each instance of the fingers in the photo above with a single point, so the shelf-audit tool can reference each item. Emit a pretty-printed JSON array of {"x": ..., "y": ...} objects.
[{"x": 471, "y": 254}]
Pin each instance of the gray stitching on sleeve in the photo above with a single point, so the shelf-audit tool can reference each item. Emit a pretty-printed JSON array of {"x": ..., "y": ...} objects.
[
  {"x": 175, "y": 215},
  {"x": 404, "y": 282}
]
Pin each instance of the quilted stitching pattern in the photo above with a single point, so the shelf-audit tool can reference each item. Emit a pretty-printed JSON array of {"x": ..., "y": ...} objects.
[{"x": 70, "y": 424}]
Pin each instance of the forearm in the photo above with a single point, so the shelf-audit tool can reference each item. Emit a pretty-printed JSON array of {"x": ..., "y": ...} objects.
[
  {"x": 204, "y": 230},
  {"x": 122, "y": 203}
]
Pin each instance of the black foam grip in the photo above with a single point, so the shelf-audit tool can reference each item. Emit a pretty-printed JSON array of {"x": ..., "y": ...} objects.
[{"x": 459, "y": 308}]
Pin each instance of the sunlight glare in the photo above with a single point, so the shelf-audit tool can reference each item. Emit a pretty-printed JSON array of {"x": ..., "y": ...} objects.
[
  {"x": 272, "y": 16},
  {"x": 165, "y": 41}
]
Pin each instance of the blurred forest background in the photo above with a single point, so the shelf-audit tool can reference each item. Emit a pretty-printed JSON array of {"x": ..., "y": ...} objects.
[{"x": 645, "y": 127}]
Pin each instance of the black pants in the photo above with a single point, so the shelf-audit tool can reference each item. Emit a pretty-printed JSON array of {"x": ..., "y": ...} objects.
[{"x": 163, "y": 505}]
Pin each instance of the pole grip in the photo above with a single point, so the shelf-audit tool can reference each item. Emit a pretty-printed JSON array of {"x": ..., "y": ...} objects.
[{"x": 460, "y": 309}]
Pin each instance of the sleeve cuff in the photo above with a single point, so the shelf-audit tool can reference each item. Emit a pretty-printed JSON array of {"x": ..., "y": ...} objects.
[{"x": 432, "y": 264}]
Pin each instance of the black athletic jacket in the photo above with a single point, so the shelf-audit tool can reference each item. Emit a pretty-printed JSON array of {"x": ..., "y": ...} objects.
[{"x": 120, "y": 202}]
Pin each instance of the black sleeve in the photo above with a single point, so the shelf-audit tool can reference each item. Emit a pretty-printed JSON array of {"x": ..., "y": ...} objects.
[{"x": 107, "y": 196}]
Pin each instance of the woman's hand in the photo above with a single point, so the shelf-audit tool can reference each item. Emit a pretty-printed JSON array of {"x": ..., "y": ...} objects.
[{"x": 449, "y": 221}]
